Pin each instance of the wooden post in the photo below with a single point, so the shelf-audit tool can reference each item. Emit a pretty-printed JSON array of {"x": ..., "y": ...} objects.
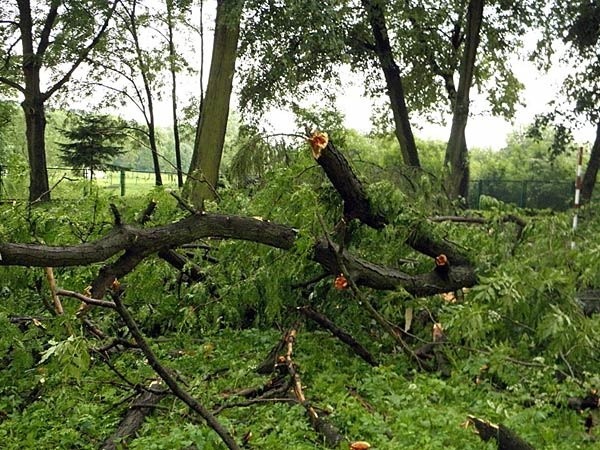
[{"x": 122, "y": 182}]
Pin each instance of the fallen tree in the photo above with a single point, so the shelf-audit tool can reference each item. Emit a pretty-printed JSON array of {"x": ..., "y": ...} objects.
[
  {"x": 127, "y": 245},
  {"x": 133, "y": 243}
]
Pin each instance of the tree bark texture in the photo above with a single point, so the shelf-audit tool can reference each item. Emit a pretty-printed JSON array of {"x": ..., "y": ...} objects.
[
  {"x": 375, "y": 10},
  {"x": 203, "y": 174},
  {"x": 591, "y": 170},
  {"x": 35, "y": 124},
  {"x": 456, "y": 151},
  {"x": 133, "y": 419},
  {"x": 506, "y": 438},
  {"x": 343, "y": 178}
]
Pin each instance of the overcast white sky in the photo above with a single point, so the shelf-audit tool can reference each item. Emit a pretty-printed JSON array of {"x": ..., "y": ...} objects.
[{"x": 483, "y": 130}]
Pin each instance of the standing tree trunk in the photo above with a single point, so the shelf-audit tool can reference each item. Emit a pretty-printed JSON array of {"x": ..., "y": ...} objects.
[
  {"x": 35, "y": 125},
  {"x": 33, "y": 59},
  {"x": 149, "y": 112},
  {"x": 173, "y": 67},
  {"x": 33, "y": 104},
  {"x": 456, "y": 152},
  {"x": 591, "y": 171},
  {"x": 395, "y": 89},
  {"x": 210, "y": 135}
]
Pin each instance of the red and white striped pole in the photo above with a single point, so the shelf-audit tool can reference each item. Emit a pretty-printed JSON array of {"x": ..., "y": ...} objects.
[{"x": 577, "y": 193}]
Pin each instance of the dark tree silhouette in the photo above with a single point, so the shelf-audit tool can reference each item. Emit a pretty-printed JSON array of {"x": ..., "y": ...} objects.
[{"x": 93, "y": 142}]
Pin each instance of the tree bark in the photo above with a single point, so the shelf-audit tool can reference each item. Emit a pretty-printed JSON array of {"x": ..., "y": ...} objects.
[
  {"x": 505, "y": 437},
  {"x": 456, "y": 151},
  {"x": 366, "y": 273},
  {"x": 345, "y": 181},
  {"x": 149, "y": 115},
  {"x": 172, "y": 67},
  {"x": 395, "y": 88},
  {"x": 342, "y": 335},
  {"x": 591, "y": 171},
  {"x": 203, "y": 173},
  {"x": 133, "y": 419},
  {"x": 35, "y": 125}
]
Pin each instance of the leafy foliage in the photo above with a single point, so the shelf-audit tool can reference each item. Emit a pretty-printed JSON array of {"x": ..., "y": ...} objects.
[{"x": 507, "y": 338}]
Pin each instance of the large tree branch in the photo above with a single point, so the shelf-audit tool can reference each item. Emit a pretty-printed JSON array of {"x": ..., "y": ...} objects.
[
  {"x": 368, "y": 274},
  {"x": 149, "y": 240},
  {"x": 343, "y": 178},
  {"x": 12, "y": 84}
]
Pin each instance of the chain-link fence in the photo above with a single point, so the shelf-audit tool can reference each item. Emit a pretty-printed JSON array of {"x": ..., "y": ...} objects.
[
  {"x": 67, "y": 183},
  {"x": 556, "y": 195}
]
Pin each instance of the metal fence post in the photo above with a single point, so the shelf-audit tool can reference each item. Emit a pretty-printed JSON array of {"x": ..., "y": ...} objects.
[{"x": 122, "y": 179}]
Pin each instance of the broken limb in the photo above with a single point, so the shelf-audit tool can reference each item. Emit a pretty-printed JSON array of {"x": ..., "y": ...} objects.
[
  {"x": 346, "y": 338},
  {"x": 365, "y": 273},
  {"x": 506, "y": 438},
  {"x": 58, "y": 309},
  {"x": 330, "y": 433},
  {"x": 170, "y": 380},
  {"x": 345, "y": 181},
  {"x": 134, "y": 418}
]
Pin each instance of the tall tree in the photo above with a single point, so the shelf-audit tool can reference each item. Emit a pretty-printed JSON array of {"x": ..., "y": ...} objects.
[
  {"x": 53, "y": 36},
  {"x": 456, "y": 151},
  {"x": 173, "y": 68},
  {"x": 143, "y": 61},
  {"x": 132, "y": 70},
  {"x": 203, "y": 173},
  {"x": 412, "y": 52}
]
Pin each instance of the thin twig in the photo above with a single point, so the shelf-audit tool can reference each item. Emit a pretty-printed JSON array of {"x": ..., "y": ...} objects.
[
  {"x": 55, "y": 298},
  {"x": 86, "y": 300}
]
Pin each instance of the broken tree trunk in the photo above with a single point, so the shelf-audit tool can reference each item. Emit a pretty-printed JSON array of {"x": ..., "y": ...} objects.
[
  {"x": 133, "y": 419},
  {"x": 345, "y": 181},
  {"x": 506, "y": 438}
]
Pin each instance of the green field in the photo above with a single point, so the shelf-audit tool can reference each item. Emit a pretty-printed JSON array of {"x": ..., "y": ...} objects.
[{"x": 67, "y": 184}]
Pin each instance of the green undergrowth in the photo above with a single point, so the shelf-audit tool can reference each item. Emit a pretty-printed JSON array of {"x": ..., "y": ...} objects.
[
  {"x": 518, "y": 343},
  {"x": 391, "y": 406}
]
